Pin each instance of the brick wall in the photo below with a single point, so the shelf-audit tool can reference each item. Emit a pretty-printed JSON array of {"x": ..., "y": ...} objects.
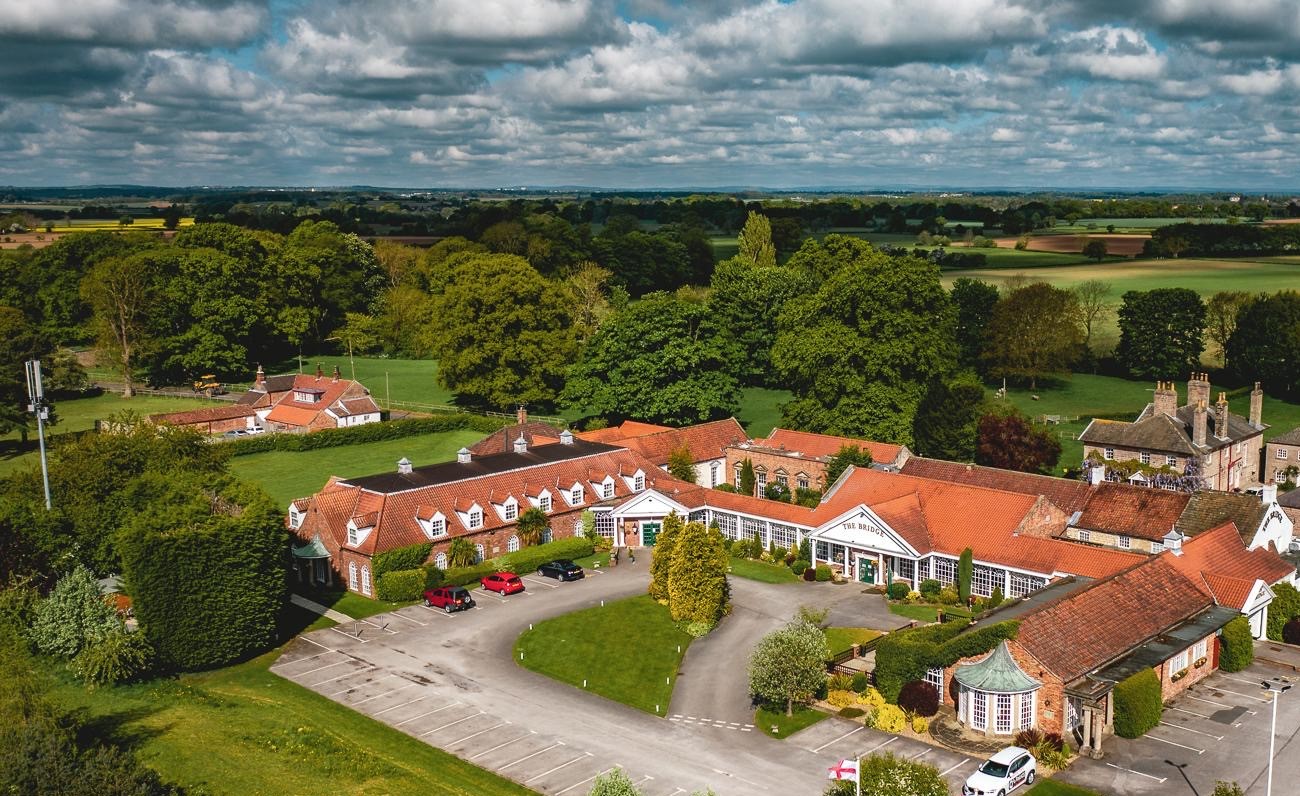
[
  {"x": 1273, "y": 467},
  {"x": 1136, "y": 545},
  {"x": 1050, "y": 699},
  {"x": 774, "y": 461},
  {"x": 1170, "y": 688},
  {"x": 1044, "y": 520}
]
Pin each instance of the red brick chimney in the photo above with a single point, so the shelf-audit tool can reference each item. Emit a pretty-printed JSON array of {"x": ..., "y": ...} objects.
[
  {"x": 336, "y": 373},
  {"x": 319, "y": 372},
  {"x": 1257, "y": 407},
  {"x": 1221, "y": 416},
  {"x": 521, "y": 414},
  {"x": 1198, "y": 389},
  {"x": 1166, "y": 398},
  {"x": 259, "y": 381},
  {"x": 1199, "y": 421}
]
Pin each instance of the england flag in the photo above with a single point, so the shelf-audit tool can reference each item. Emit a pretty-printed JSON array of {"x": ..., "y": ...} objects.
[{"x": 845, "y": 769}]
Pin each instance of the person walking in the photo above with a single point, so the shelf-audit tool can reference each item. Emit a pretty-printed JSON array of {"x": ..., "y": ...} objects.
[{"x": 631, "y": 556}]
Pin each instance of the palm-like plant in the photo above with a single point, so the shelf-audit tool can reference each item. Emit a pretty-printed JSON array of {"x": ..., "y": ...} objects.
[
  {"x": 460, "y": 553},
  {"x": 531, "y": 527}
]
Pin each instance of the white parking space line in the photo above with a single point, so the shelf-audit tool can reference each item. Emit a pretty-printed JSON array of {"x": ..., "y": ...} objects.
[
  {"x": 918, "y": 754},
  {"x": 346, "y": 689},
  {"x": 383, "y": 627},
  {"x": 879, "y": 746},
  {"x": 502, "y": 745},
  {"x": 321, "y": 668},
  {"x": 582, "y": 756},
  {"x": 429, "y": 713},
  {"x": 642, "y": 781},
  {"x": 1171, "y": 743},
  {"x": 395, "y": 707},
  {"x": 305, "y": 659},
  {"x": 366, "y": 670},
  {"x": 1139, "y": 773},
  {"x": 452, "y": 723},
  {"x": 317, "y": 643},
  {"x": 1238, "y": 693},
  {"x": 540, "y": 582},
  {"x": 531, "y": 756},
  {"x": 349, "y": 635},
  {"x": 837, "y": 740},
  {"x": 1189, "y": 729},
  {"x": 585, "y": 781},
  {"x": 480, "y": 732},
  {"x": 1216, "y": 704},
  {"x": 1239, "y": 679},
  {"x": 409, "y": 619},
  {"x": 1191, "y": 712},
  {"x": 954, "y": 768},
  {"x": 437, "y": 612},
  {"x": 386, "y": 693}
]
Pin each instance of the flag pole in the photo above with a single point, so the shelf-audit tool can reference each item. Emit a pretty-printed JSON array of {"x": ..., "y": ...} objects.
[{"x": 857, "y": 775}]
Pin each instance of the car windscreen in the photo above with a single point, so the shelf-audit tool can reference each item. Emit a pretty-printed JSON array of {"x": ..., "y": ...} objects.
[
  {"x": 994, "y": 769},
  {"x": 512, "y": 581}
]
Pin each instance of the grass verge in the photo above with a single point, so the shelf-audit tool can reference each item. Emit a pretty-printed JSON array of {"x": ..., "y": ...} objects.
[
  {"x": 348, "y": 602},
  {"x": 786, "y": 726},
  {"x": 628, "y": 651},
  {"x": 921, "y": 613},
  {"x": 839, "y": 639},
  {"x": 762, "y": 571},
  {"x": 274, "y": 737}
]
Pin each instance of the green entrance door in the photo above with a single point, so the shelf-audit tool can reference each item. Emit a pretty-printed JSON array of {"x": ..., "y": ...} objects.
[
  {"x": 649, "y": 532},
  {"x": 867, "y": 570}
]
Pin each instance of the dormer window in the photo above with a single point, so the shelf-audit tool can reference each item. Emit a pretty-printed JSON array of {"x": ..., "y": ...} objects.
[
  {"x": 356, "y": 536},
  {"x": 437, "y": 526},
  {"x": 607, "y": 488},
  {"x": 352, "y": 536},
  {"x": 295, "y": 517},
  {"x": 509, "y": 510},
  {"x": 544, "y": 502},
  {"x": 575, "y": 496},
  {"x": 308, "y": 396},
  {"x": 638, "y": 482},
  {"x": 476, "y": 518}
]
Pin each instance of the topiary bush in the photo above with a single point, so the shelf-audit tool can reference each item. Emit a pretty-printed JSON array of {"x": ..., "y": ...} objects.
[
  {"x": 402, "y": 585},
  {"x": 930, "y": 588},
  {"x": 823, "y": 573},
  {"x": 1138, "y": 704},
  {"x": 996, "y": 599},
  {"x": 120, "y": 657},
  {"x": 1237, "y": 649},
  {"x": 409, "y": 557},
  {"x": 1291, "y": 631},
  {"x": 919, "y": 697},
  {"x": 898, "y": 590},
  {"x": 799, "y": 566}
]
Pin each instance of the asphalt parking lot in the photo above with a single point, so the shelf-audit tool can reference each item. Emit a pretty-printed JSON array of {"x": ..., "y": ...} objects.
[
  {"x": 1216, "y": 730},
  {"x": 841, "y": 739}
]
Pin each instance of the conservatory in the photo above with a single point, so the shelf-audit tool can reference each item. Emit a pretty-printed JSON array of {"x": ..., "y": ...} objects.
[{"x": 994, "y": 695}]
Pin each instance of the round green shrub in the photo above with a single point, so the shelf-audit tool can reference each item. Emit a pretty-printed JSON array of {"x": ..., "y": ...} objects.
[
  {"x": 948, "y": 595},
  {"x": 1138, "y": 704},
  {"x": 740, "y": 548},
  {"x": 810, "y": 574},
  {"x": 120, "y": 657},
  {"x": 823, "y": 573},
  {"x": 860, "y": 682},
  {"x": 919, "y": 697},
  {"x": 799, "y": 566},
  {"x": 1237, "y": 646},
  {"x": 930, "y": 588},
  {"x": 898, "y": 590}
]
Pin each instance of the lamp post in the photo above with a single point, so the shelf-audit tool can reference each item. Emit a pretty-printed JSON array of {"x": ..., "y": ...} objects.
[{"x": 1278, "y": 686}]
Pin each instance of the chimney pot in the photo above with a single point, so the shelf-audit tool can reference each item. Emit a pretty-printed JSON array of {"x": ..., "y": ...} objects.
[
  {"x": 1221, "y": 417},
  {"x": 1096, "y": 474},
  {"x": 319, "y": 372},
  {"x": 1257, "y": 407},
  {"x": 1166, "y": 398},
  {"x": 1200, "y": 419},
  {"x": 336, "y": 373},
  {"x": 260, "y": 379},
  {"x": 1268, "y": 495},
  {"x": 521, "y": 414}
]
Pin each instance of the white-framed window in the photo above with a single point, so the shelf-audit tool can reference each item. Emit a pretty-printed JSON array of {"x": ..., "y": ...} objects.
[
  {"x": 1144, "y": 457},
  {"x": 575, "y": 496},
  {"x": 714, "y": 472},
  {"x": 437, "y": 527},
  {"x": 1002, "y": 723},
  {"x": 512, "y": 545},
  {"x": 1157, "y": 547},
  {"x": 782, "y": 478},
  {"x": 544, "y": 502},
  {"x": 365, "y": 580},
  {"x": 510, "y": 510},
  {"x": 984, "y": 579},
  {"x": 1180, "y": 661},
  {"x": 1109, "y": 453},
  {"x": 1281, "y": 454},
  {"x": 353, "y": 583},
  {"x": 1027, "y": 710},
  {"x": 440, "y": 561},
  {"x": 1123, "y": 542},
  {"x": 479, "y": 554},
  {"x": 1024, "y": 584},
  {"x": 353, "y": 537},
  {"x": 945, "y": 570},
  {"x": 737, "y": 482},
  {"x": 638, "y": 483},
  {"x": 801, "y": 479},
  {"x": 1171, "y": 461},
  {"x": 607, "y": 490},
  {"x": 605, "y": 525},
  {"x": 1199, "y": 649},
  {"x": 295, "y": 516},
  {"x": 979, "y": 719},
  {"x": 476, "y": 518},
  {"x": 935, "y": 678},
  {"x": 760, "y": 481},
  {"x": 1084, "y": 536},
  {"x": 548, "y": 537}
]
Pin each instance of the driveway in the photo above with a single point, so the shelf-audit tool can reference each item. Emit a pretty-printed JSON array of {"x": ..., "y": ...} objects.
[
  {"x": 450, "y": 681},
  {"x": 1216, "y": 730}
]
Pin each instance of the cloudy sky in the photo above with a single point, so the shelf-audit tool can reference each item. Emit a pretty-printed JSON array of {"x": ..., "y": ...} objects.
[{"x": 652, "y": 93}]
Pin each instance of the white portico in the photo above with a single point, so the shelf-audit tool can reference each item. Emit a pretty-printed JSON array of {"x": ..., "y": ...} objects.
[{"x": 864, "y": 547}]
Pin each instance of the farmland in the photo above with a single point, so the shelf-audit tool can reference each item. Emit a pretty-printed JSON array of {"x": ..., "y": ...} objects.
[{"x": 39, "y": 238}]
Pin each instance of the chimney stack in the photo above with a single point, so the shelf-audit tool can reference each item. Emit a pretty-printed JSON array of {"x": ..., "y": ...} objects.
[
  {"x": 1096, "y": 473},
  {"x": 521, "y": 444},
  {"x": 404, "y": 466},
  {"x": 336, "y": 373},
  {"x": 463, "y": 456},
  {"x": 1199, "y": 421},
  {"x": 1166, "y": 399},
  {"x": 1198, "y": 389},
  {"x": 1257, "y": 407},
  {"x": 259, "y": 381},
  {"x": 319, "y": 372},
  {"x": 1268, "y": 496},
  {"x": 521, "y": 414},
  {"x": 1221, "y": 416}
]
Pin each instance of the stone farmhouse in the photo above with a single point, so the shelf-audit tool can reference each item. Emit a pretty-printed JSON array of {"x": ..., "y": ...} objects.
[
  {"x": 1282, "y": 458},
  {"x": 293, "y": 403},
  {"x": 798, "y": 459},
  {"x": 1211, "y": 444}
]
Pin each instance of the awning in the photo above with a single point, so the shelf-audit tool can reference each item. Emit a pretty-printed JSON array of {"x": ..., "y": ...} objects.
[
  {"x": 313, "y": 549},
  {"x": 996, "y": 674}
]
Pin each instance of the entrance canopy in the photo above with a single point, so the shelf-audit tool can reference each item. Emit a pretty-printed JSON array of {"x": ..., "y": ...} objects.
[{"x": 312, "y": 550}]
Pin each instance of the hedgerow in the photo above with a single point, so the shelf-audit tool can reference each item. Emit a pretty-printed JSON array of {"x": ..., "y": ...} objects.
[
  {"x": 520, "y": 562},
  {"x": 400, "y": 585},
  {"x": 401, "y": 558},
  {"x": 1138, "y": 705},
  {"x": 357, "y": 435},
  {"x": 906, "y": 655}
]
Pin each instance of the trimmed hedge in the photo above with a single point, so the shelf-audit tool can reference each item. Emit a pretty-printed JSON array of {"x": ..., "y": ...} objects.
[
  {"x": 464, "y": 576},
  {"x": 823, "y": 573},
  {"x": 357, "y": 435},
  {"x": 401, "y": 558},
  {"x": 520, "y": 562},
  {"x": 906, "y": 655},
  {"x": 898, "y": 590},
  {"x": 1238, "y": 646},
  {"x": 433, "y": 576},
  {"x": 400, "y": 585},
  {"x": 1284, "y": 608},
  {"x": 1138, "y": 705}
]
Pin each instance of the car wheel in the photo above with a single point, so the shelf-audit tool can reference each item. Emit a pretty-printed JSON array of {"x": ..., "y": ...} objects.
[
  {"x": 1029, "y": 780},
  {"x": 447, "y": 608},
  {"x": 1002, "y": 793},
  {"x": 428, "y": 604}
]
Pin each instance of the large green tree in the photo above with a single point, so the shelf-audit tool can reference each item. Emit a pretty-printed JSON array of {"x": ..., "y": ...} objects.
[
  {"x": 974, "y": 301},
  {"x": 745, "y": 303},
  {"x": 1161, "y": 332},
  {"x": 1221, "y": 311},
  {"x": 859, "y": 352},
  {"x": 501, "y": 332},
  {"x": 121, "y": 293},
  {"x": 946, "y": 421},
  {"x": 661, "y": 360},
  {"x": 20, "y": 340},
  {"x": 697, "y": 576},
  {"x": 755, "y": 240},
  {"x": 661, "y": 563},
  {"x": 1007, "y": 439},
  {"x": 788, "y": 665},
  {"x": 1035, "y": 330},
  {"x": 1265, "y": 346}
]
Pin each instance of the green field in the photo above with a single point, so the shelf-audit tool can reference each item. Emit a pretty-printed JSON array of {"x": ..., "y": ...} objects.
[
  {"x": 410, "y": 380},
  {"x": 243, "y": 730},
  {"x": 1001, "y": 258},
  {"x": 293, "y": 474},
  {"x": 1206, "y": 277},
  {"x": 760, "y": 409},
  {"x": 1130, "y": 224},
  {"x": 628, "y": 651},
  {"x": 924, "y": 613}
]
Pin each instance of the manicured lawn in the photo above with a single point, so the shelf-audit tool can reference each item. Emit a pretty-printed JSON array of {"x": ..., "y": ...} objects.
[
  {"x": 293, "y": 474},
  {"x": 349, "y": 602},
  {"x": 590, "y": 562},
  {"x": 628, "y": 651},
  {"x": 762, "y": 571},
  {"x": 786, "y": 726},
  {"x": 1048, "y": 787},
  {"x": 760, "y": 409},
  {"x": 839, "y": 639},
  {"x": 243, "y": 730},
  {"x": 413, "y": 380},
  {"x": 80, "y": 414},
  {"x": 921, "y": 613}
]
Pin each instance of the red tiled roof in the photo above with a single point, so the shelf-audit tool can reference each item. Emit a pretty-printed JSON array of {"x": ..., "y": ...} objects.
[
  {"x": 1077, "y": 633},
  {"x": 535, "y": 434},
  {"x": 364, "y": 405},
  {"x": 825, "y": 445},
  {"x": 207, "y": 414},
  {"x": 629, "y": 429},
  {"x": 292, "y": 415},
  {"x": 705, "y": 441},
  {"x": 1137, "y": 511},
  {"x": 1070, "y": 496},
  {"x": 1232, "y": 592},
  {"x": 1220, "y": 552}
]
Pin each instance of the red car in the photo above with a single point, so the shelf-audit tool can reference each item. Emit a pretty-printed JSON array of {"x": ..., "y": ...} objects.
[
  {"x": 448, "y": 598},
  {"x": 503, "y": 583}
]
